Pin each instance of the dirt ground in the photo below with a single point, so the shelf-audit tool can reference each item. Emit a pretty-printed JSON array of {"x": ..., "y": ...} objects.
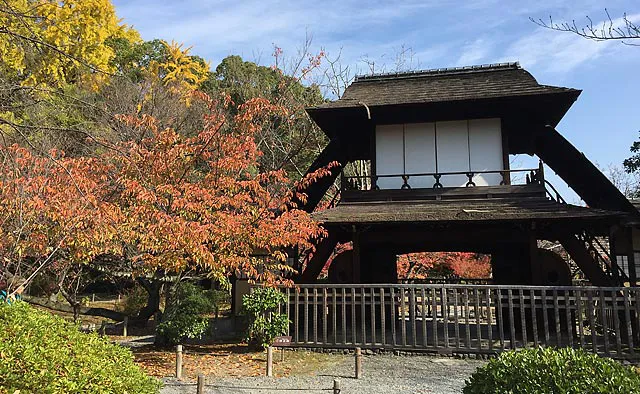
[{"x": 230, "y": 360}]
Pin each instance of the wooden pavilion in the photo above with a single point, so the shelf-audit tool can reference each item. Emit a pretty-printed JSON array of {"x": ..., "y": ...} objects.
[{"x": 437, "y": 146}]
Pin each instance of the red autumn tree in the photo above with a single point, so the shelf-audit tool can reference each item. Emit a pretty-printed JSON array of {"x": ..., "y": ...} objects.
[
  {"x": 200, "y": 202},
  {"x": 443, "y": 265},
  {"x": 471, "y": 265},
  {"x": 167, "y": 203},
  {"x": 52, "y": 209}
]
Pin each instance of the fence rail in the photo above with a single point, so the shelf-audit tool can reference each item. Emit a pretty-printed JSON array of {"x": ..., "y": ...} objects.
[{"x": 450, "y": 318}]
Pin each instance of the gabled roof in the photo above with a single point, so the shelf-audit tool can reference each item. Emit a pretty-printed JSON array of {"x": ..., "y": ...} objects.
[{"x": 443, "y": 85}]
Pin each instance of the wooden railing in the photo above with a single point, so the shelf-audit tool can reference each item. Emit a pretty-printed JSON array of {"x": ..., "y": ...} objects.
[
  {"x": 370, "y": 182},
  {"x": 465, "y": 318}
]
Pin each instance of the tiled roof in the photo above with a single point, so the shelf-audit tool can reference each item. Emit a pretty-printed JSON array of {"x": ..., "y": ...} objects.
[
  {"x": 457, "y": 210},
  {"x": 439, "y": 85}
]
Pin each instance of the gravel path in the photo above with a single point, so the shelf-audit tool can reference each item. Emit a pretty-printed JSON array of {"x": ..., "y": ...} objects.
[{"x": 382, "y": 374}]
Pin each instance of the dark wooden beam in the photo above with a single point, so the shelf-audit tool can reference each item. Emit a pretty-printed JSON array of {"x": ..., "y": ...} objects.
[
  {"x": 585, "y": 261},
  {"x": 579, "y": 173},
  {"x": 319, "y": 259},
  {"x": 333, "y": 152},
  {"x": 357, "y": 277}
]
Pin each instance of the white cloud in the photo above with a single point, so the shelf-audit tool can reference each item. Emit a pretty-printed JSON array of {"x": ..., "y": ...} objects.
[
  {"x": 560, "y": 52},
  {"x": 554, "y": 51},
  {"x": 474, "y": 52}
]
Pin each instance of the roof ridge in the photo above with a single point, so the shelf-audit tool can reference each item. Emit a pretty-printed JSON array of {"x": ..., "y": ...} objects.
[{"x": 439, "y": 71}]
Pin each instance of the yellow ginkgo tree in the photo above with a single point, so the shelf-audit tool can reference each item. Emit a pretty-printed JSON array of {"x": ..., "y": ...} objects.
[{"x": 55, "y": 42}]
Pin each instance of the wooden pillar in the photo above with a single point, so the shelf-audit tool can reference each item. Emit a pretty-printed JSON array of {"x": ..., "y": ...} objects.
[
  {"x": 536, "y": 274},
  {"x": 631, "y": 259},
  {"x": 357, "y": 278}
]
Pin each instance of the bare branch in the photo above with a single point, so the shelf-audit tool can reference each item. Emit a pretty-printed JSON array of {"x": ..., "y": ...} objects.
[{"x": 622, "y": 30}]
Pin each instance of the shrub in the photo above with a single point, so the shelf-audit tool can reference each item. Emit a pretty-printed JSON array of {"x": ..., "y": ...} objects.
[
  {"x": 548, "y": 370},
  {"x": 264, "y": 322},
  {"x": 221, "y": 298},
  {"x": 134, "y": 300},
  {"x": 185, "y": 315},
  {"x": 43, "y": 353}
]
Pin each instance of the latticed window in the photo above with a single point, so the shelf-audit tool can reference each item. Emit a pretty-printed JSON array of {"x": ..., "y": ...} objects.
[{"x": 623, "y": 263}]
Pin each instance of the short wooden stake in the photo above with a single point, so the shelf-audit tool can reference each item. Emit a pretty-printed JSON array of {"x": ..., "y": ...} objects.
[
  {"x": 125, "y": 323},
  {"x": 200, "y": 386},
  {"x": 336, "y": 386},
  {"x": 281, "y": 354},
  {"x": 179, "y": 362},
  {"x": 103, "y": 328},
  {"x": 270, "y": 361},
  {"x": 93, "y": 297},
  {"x": 358, "y": 363}
]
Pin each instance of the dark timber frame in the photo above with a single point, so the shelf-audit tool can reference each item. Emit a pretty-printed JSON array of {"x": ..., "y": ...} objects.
[
  {"x": 530, "y": 301},
  {"x": 378, "y": 222}
]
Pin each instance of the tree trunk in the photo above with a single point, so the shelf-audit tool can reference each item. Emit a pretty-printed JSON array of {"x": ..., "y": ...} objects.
[{"x": 153, "y": 288}]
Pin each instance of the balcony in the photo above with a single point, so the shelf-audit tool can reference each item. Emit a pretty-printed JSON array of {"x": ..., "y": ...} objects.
[{"x": 527, "y": 182}]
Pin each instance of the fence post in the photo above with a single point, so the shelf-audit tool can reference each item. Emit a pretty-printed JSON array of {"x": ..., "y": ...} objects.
[
  {"x": 270, "y": 361},
  {"x": 200, "y": 386},
  {"x": 125, "y": 323},
  {"x": 358, "y": 357},
  {"x": 179, "y": 362}
]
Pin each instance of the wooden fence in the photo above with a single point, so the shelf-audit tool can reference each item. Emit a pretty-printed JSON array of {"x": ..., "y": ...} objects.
[{"x": 450, "y": 318}]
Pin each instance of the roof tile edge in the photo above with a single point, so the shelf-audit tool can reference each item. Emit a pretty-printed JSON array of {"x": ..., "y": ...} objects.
[{"x": 439, "y": 71}]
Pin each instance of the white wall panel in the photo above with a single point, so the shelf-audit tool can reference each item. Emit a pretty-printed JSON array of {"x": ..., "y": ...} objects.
[
  {"x": 453, "y": 151},
  {"x": 485, "y": 146},
  {"x": 389, "y": 155},
  {"x": 420, "y": 153}
]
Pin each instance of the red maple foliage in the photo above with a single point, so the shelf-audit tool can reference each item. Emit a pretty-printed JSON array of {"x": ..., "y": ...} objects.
[
  {"x": 167, "y": 201},
  {"x": 201, "y": 201},
  {"x": 51, "y": 206},
  {"x": 443, "y": 265}
]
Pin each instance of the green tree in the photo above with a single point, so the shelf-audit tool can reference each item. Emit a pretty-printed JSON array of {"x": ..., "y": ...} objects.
[{"x": 291, "y": 141}]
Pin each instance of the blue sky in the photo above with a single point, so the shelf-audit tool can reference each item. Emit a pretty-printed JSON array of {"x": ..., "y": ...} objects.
[{"x": 440, "y": 33}]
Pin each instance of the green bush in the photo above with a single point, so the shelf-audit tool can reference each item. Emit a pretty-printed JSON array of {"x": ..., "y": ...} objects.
[
  {"x": 134, "y": 300},
  {"x": 186, "y": 314},
  {"x": 43, "y": 353},
  {"x": 549, "y": 371},
  {"x": 221, "y": 298},
  {"x": 264, "y": 322}
]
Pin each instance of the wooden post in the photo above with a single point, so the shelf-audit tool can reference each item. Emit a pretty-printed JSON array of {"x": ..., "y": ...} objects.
[
  {"x": 179, "y": 362},
  {"x": 93, "y": 297},
  {"x": 336, "y": 386},
  {"x": 282, "y": 354},
  {"x": 356, "y": 257},
  {"x": 270, "y": 361},
  {"x": 103, "y": 328},
  {"x": 358, "y": 363},
  {"x": 200, "y": 386},
  {"x": 125, "y": 323}
]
